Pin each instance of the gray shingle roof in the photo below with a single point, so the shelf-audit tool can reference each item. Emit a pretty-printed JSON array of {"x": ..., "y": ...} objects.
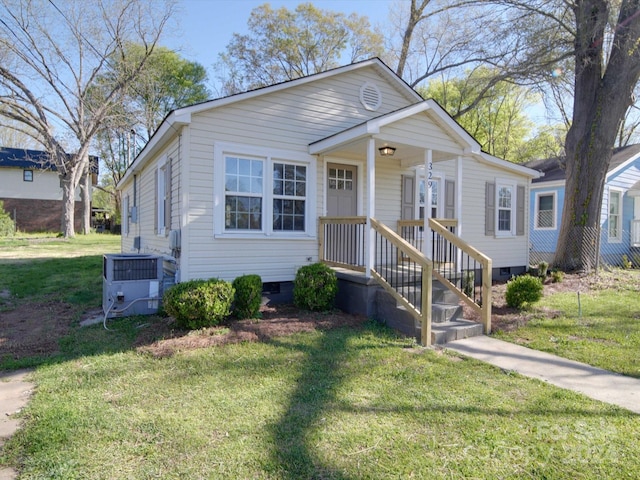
[
  {"x": 553, "y": 168},
  {"x": 23, "y": 158}
]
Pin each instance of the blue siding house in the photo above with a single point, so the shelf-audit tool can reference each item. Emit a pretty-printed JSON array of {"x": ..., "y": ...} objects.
[{"x": 620, "y": 217}]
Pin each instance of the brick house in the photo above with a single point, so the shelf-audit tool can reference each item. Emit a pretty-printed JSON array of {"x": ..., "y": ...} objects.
[{"x": 31, "y": 192}]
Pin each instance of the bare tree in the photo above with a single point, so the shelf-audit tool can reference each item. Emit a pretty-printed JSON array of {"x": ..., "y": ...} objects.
[
  {"x": 584, "y": 50},
  {"x": 51, "y": 55}
]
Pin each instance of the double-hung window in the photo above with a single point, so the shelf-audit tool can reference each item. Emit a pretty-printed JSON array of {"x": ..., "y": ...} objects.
[
  {"x": 163, "y": 198},
  {"x": 505, "y": 208},
  {"x": 289, "y": 197},
  {"x": 505, "y": 205},
  {"x": 615, "y": 215},
  {"x": 244, "y": 186},
  {"x": 264, "y": 194},
  {"x": 545, "y": 211}
]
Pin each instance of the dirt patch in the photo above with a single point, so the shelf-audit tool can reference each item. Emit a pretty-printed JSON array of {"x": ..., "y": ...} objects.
[
  {"x": 276, "y": 321},
  {"x": 34, "y": 329}
]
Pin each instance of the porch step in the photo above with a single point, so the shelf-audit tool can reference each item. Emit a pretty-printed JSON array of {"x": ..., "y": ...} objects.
[
  {"x": 442, "y": 333},
  {"x": 446, "y": 324}
]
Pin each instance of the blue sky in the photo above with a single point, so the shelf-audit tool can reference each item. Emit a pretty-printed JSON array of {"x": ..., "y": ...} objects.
[{"x": 206, "y": 26}]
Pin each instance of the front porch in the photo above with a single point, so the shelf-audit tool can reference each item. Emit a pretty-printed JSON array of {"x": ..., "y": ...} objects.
[{"x": 373, "y": 261}]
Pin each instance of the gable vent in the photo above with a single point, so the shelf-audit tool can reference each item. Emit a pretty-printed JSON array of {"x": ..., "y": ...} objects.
[{"x": 370, "y": 96}]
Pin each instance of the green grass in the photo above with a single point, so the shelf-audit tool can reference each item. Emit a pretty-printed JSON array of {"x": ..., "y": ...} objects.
[
  {"x": 600, "y": 328},
  {"x": 66, "y": 270},
  {"x": 28, "y": 247},
  {"x": 341, "y": 404}
]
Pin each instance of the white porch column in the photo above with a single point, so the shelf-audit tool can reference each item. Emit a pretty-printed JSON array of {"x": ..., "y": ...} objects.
[
  {"x": 459, "y": 196},
  {"x": 371, "y": 209},
  {"x": 459, "y": 210},
  {"x": 428, "y": 169}
]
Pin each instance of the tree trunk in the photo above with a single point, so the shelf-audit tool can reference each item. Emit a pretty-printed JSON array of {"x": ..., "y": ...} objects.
[
  {"x": 70, "y": 181},
  {"x": 85, "y": 189},
  {"x": 600, "y": 103},
  {"x": 68, "y": 206}
]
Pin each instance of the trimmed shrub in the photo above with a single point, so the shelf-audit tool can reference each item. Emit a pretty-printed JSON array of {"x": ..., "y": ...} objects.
[
  {"x": 248, "y": 296},
  {"x": 315, "y": 287},
  {"x": 7, "y": 228},
  {"x": 199, "y": 303},
  {"x": 523, "y": 290}
]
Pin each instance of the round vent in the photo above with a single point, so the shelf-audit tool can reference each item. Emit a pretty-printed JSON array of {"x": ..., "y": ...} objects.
[{"x": 370, "y": 96}]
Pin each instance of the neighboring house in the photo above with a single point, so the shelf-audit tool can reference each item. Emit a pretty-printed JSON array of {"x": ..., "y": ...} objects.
[
  {"x": 31, "y": 192},
  {"x": 237, "y": 185},
  {"x": 620, "y": 218}
]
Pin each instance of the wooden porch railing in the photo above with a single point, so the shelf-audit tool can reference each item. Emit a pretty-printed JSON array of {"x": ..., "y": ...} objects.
[
  {"x": 399, "y": 267},
  {"x": 462, "y": 269},
  {"x": 342, "y": 242},
  {"x": 399, "y": 264},
  {"x": 412, "y": 231}
]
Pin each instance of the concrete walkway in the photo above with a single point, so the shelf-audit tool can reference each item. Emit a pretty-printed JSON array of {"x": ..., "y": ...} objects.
[
  {"x": 14, "y": 395},
  {"x": 593, "y": 382}
]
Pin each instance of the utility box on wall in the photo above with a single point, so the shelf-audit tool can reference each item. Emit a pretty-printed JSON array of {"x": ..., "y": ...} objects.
[{"x": 132, "y": 284}]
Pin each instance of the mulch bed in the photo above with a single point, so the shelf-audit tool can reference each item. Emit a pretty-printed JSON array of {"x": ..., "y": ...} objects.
[{"x": 34, "y": 329}]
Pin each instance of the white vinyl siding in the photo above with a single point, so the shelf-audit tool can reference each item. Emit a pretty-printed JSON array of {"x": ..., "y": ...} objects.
[
  {"x": 421, "y": 131},
  {"x": 509, "y": 250}
]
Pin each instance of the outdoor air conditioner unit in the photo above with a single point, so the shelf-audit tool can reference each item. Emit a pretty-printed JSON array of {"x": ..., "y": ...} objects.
[{"x": 132, "y": 284}]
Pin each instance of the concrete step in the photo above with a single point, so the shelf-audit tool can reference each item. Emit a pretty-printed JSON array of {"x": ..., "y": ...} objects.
[
  {"x": 442, "y": 333},
  {"x": 446, "y": 324},
  {"x": 443, "y": 313},
  {"x": 441, "y": 294}
]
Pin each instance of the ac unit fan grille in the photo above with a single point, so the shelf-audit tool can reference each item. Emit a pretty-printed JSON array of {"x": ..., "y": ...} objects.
[{"x": 135, "y": 269}]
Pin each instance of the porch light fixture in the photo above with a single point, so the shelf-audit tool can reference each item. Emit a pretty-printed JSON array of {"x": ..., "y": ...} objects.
[{"x": 387, "y": 151}]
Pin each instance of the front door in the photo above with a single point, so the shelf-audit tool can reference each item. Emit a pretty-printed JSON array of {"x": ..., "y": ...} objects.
[
  {"x": 342, "y": 201},
  {"x": 342, "y": 191}
]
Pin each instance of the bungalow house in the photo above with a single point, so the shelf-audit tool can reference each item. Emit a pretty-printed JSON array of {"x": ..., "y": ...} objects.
[
  {"x": 619, "y": 233},
  {"x": 31, "y": 192},
  {"x": 350, "y": 167}
]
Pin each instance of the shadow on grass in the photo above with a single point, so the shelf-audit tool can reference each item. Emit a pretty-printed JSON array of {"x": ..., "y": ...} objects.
[{"x": 320, "y": 377}]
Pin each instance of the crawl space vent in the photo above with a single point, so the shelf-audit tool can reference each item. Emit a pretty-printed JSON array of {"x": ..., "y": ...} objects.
[{"x": 370, "y": 96}]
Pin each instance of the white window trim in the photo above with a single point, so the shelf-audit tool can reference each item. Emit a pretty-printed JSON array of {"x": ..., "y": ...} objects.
[
  {"x": 501, "y": 182},
  {"x": 617, "y": 239},
  {"x": 161, "y": 194},
  {"x": 270, "y": 156},
  {"x": 554, "y": 211}
]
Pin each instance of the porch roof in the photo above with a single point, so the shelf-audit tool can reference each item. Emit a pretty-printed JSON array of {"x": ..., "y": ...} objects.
[
  {"x": 351, "y": 142},
  {"x": 373, "y": 128}
]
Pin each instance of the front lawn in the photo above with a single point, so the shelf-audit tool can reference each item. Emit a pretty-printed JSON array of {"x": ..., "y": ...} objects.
[
  {"x": 141, "y": 401},
  {"x": 342, "y": 403},
  {"x": 597, "y": 323}
]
